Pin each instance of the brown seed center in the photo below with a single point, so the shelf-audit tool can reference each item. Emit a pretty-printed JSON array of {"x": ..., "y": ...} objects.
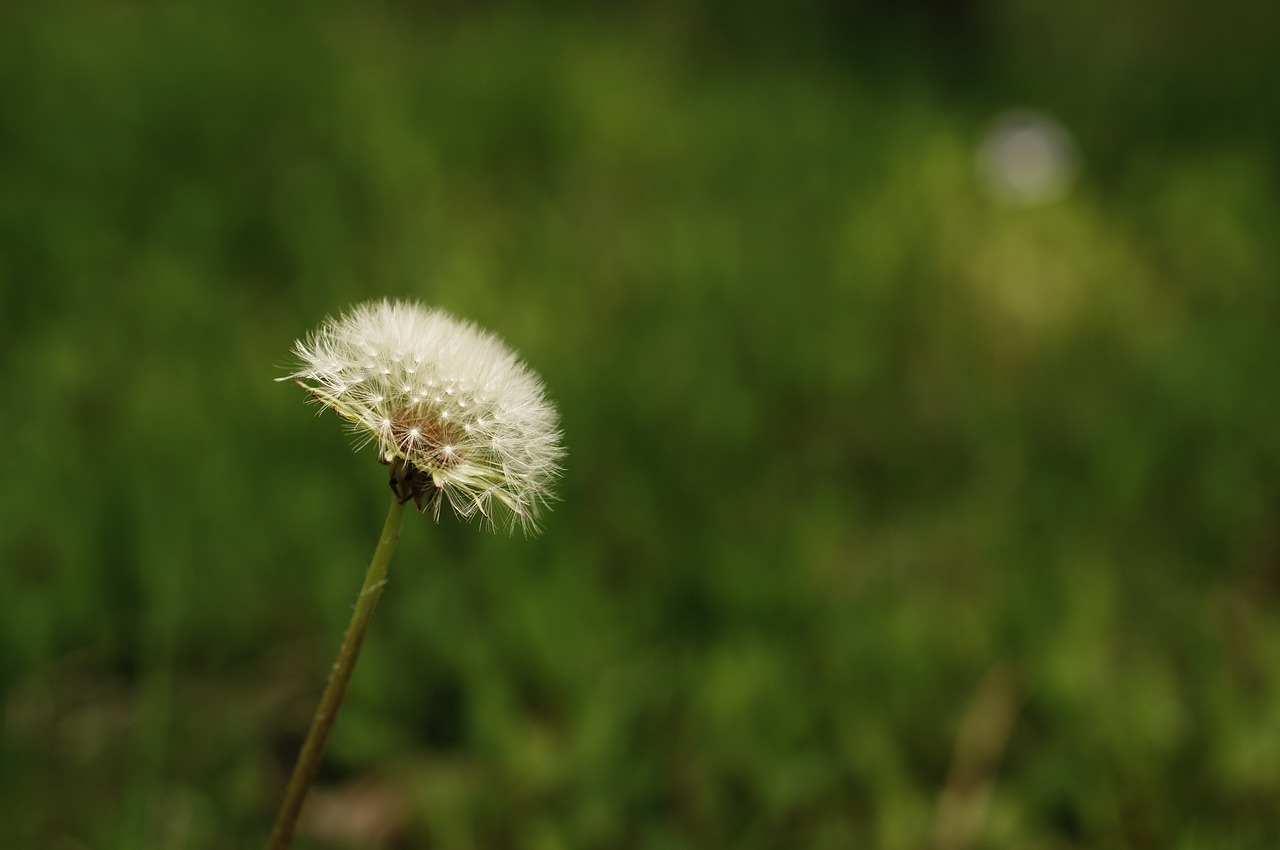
[{"x": 424, "y": 434}]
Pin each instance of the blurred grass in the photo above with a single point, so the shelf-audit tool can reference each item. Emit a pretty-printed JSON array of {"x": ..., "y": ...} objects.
[{"x": 843, "y": 434}]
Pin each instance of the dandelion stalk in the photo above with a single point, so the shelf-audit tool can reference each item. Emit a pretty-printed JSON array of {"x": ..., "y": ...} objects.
[
  {"x": 304, "y": 772},
  {"x": 457, "y": 418}
]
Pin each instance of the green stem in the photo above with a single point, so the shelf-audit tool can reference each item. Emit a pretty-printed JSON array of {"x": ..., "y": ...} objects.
[{"x": 304, "y": 771}]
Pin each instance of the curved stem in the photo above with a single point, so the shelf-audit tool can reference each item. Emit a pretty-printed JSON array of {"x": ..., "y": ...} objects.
[{"x": 305, "y": 770}]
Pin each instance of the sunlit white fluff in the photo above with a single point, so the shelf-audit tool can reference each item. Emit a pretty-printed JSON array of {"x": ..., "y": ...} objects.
[{"x": 444, "y": 396}]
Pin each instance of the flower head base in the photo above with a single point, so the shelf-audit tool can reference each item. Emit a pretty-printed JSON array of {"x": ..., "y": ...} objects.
[{"x": 451, "y": 409}]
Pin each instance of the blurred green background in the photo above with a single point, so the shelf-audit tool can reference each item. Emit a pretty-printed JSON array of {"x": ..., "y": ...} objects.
[{"x": 895, "y": 515}]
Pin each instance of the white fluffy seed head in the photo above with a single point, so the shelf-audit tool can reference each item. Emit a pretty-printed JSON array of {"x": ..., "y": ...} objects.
[{"x": 444, "y": 396}]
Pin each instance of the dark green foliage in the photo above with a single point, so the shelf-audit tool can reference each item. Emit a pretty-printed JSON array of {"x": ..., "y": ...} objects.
[{"x": 843, "y": 434}]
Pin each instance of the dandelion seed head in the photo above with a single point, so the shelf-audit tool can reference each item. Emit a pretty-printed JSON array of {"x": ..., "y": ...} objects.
[
  {"x": 1027, "y": 159},
  {"x": 491, "y": 454}
]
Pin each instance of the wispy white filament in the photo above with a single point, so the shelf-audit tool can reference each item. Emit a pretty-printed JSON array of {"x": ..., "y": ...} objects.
[{"x": 445, "y": 396}]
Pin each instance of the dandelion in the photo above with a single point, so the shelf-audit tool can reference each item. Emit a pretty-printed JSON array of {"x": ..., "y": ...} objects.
[
  {"x": 449, "y": 406},
  {"x": 456, "y": 416},
  {"x": 1027, "y": 159}
]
